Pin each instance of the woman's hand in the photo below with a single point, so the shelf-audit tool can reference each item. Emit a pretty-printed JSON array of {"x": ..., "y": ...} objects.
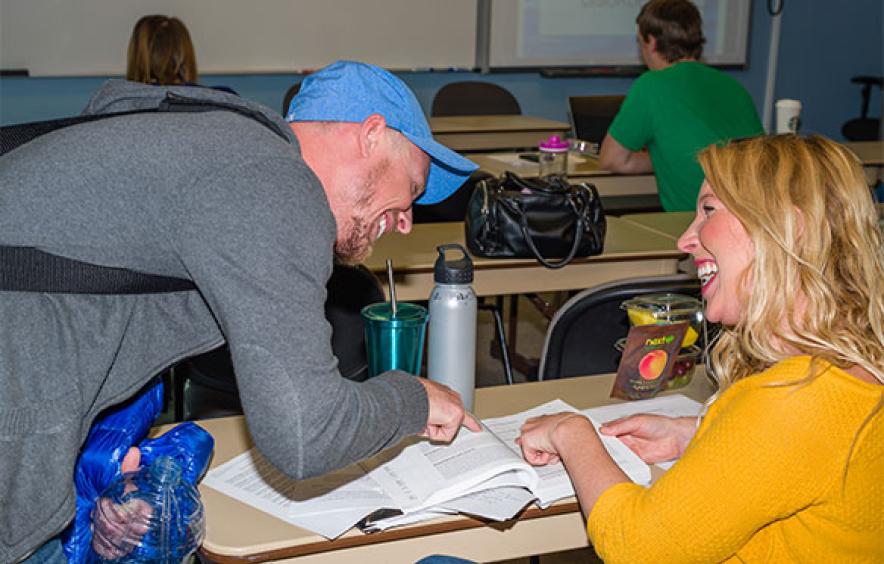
[
  {"x": 542, "y": 439},
  {"x": 654, "y": 438},
  {"x": 571, "y": 438}
]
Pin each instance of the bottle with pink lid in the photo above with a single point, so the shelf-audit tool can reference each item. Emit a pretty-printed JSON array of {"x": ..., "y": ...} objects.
[{"x": 554, "y": 157}]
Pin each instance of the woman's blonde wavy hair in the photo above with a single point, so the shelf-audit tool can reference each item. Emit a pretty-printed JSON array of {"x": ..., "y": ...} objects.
[
  {"x": 817, "y": 279},
  {"x": 161, "y": 52}
]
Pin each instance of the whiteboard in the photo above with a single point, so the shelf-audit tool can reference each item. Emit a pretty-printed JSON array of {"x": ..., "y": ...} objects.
[
  {"x": 586, "y": 33},
  {"x": 90, "y": 37}
]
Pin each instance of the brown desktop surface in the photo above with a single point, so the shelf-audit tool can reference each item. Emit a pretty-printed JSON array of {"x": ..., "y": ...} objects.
[{"x": 237, "y": 532}]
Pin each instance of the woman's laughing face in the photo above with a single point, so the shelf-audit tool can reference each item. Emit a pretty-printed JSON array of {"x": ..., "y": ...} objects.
[{"x": 722, "y": 252}]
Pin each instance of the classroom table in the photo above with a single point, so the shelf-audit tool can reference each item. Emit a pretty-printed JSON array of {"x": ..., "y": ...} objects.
[
  {"x": 236, "y": 532},
  {"x": 495, "y": 132},
  {"x": 666, "y": 224},
  {"x": 630, "y": 251},
  {"x": 871, "y": 154},
  {"x": 580, "y": 167},
  {"x": 619, "y": 192},
  {"x": 636, "y": 186}
]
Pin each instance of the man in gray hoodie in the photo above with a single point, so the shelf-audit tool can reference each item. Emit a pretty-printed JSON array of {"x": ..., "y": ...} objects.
[{"x": 249, "y": 208}]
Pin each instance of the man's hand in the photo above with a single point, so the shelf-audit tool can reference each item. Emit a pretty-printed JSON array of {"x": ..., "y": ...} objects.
[
  {"x": 446, "y": 413},
  {"x": 654, "y": 438},
  {"x": 132, "y": 461},
  {"x": 117, "y": 529}
]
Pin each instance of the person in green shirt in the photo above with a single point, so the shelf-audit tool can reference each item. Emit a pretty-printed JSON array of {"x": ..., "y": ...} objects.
[{"x": 676, "y": 108}]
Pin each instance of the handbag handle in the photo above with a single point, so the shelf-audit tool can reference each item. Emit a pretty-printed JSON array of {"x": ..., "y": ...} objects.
[
  {"x": 578, "y": 229},
  {"x": 554, "y": 184}
]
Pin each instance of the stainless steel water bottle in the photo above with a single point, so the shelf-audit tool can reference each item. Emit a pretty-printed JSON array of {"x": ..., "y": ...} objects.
[{"x": 451, "y": 358}]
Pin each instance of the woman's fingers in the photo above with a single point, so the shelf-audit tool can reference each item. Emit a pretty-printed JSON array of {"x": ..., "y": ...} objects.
[{"x": 621, "y": 426}]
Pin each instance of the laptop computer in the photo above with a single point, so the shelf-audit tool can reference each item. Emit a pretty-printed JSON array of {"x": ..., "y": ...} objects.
[{"x": 590, "y": 116}]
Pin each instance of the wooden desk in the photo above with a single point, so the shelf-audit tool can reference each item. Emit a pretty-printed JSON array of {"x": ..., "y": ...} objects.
[
  {"x": 666, "y": 224},
  {"x": 236, "y": 532},
  {"x": 620, "y": 193},
  {"x": 579, "y": 168},
  {"x": 630, "y": 250},
  {"x": 871, "y": 154},
  {"x": 494, "y": 133}
]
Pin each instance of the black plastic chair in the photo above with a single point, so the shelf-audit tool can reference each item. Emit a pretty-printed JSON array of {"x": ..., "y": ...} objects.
[
  {"x": 454, "y": 207},
  {"x": 474, "y": 98},
  {"x": 211, "y": 389},
  {"x": 581, "y": 336},
  {"x": 471, "y": 98},
  {"x": 864, "y": 128}
]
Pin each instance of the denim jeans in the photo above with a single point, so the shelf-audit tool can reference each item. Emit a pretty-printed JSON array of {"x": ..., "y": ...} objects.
[
  {"x": 439, "y": 559},
  {"x": 49, "y": 553}
]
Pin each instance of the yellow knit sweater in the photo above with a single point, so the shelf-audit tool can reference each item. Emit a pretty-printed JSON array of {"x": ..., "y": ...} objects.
[{"x": 762, "y": 480}]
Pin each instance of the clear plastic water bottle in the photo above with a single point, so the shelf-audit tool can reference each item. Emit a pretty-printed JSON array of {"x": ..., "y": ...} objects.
[
  {"x": 151, "y": 515},
  {"x": 451, "y": 358},
  {"x": 554, "y": 157}
]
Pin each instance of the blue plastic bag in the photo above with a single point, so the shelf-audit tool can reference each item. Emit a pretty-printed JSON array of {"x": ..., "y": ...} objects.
[
  {"x": 150, "y": 516},
  {"x": 109, "y": 439}
]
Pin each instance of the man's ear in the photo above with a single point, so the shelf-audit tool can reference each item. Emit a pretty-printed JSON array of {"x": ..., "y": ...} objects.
[{"x": 372, "y": 132}]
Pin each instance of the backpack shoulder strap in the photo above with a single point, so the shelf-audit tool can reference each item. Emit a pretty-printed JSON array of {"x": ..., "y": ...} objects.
[{"x": 26, "y": 269}]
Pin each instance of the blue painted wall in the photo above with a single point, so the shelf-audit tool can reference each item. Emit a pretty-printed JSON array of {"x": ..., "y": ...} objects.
[{"x": 823, "y": 45}]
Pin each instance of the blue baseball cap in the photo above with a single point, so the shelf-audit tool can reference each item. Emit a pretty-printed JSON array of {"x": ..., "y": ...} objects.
[{"x": 351, "y": 91}]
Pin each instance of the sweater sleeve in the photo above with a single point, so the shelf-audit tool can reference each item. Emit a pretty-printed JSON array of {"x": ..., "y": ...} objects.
[
  {"x": 257, "y": 237},
  {"x": 757, "y": 458}
]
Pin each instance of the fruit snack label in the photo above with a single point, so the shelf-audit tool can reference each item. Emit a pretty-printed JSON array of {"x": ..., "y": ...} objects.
[{"x": 647, "y": 360}]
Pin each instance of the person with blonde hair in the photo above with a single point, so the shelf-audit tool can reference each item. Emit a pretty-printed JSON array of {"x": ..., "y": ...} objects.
[
  {"x": 787, "y": 463},
  {"x": 161, "y": 52}
]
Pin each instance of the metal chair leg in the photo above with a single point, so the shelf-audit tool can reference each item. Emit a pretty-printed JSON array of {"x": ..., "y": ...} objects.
[{"x": 501, "y": 338}]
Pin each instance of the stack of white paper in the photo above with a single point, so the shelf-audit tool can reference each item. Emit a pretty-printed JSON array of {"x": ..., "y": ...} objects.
[
  {"x": 481, "y": 474},
  {"x": 675, "y": 405}
]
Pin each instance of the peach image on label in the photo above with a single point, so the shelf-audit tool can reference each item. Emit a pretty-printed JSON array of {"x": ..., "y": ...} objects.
[{"x": 651, "y": 366}]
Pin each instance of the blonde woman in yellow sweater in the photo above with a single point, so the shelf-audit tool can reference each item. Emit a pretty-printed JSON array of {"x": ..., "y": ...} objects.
[{"x": 787, "y": 465}]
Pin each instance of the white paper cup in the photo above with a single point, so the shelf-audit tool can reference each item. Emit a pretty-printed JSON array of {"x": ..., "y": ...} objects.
[{"x": 788, "y": 116}]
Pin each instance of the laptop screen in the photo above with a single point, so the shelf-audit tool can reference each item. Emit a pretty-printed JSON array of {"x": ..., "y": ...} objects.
[{"x": 592, "y": 115}]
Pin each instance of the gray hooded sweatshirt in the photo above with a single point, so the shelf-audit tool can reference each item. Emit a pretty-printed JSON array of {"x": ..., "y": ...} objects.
[{"x": 216, "y": 198}]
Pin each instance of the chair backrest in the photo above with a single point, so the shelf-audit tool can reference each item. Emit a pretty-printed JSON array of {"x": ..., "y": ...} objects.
[
  {"x": 592, "y": 115},
  {"x": 452, "y": 208},
  {"x": 474, "y": 98},
  {"x": 289, "y": 94},
  {"x": 350, "y": 288},
  {"x": 864, "y": 128},
  {"x": 581, "y": 336}
]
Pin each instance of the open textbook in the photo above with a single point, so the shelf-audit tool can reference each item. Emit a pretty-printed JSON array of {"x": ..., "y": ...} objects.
[{"x": 481, "y": 474}]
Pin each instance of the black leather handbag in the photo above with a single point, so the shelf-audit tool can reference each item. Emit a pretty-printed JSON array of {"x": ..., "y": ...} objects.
[{"x": 542, "y": 218}]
